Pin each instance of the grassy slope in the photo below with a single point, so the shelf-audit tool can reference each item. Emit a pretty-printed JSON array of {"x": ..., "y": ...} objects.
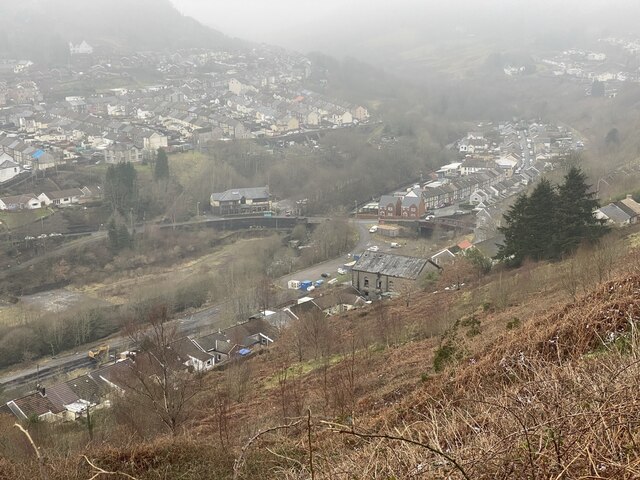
[{"x": 555, "y": 395}]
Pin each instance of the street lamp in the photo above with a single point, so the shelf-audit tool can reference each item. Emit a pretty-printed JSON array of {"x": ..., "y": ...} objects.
[{"x": 198, "y": 209}]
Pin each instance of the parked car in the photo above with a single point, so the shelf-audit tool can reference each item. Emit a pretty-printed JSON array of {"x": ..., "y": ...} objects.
[
  {"x": 325, "y": 275},
  {"x": 341, "y": 271},
  {"x": 373, "y": 229},
  {"x": 395, "y": 245},
  {"x": 373, "y": 248}
]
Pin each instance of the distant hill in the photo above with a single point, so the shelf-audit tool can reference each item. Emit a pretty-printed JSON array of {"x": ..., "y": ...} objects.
[{"x": 42, "y": 29}]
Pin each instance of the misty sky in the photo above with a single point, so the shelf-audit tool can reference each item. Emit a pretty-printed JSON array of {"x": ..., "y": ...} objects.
[
  {"x": 315, "y": 24},
  {"x": 269, "y": 20}
]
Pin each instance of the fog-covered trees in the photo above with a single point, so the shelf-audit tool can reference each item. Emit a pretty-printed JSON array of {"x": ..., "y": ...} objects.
[{"x": 161, "y": 170}]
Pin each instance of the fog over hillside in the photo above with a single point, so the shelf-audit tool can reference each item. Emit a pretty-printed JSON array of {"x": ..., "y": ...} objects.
[
  {"x": 117, "y": 24},
  {"x": 375, "y": 29}
]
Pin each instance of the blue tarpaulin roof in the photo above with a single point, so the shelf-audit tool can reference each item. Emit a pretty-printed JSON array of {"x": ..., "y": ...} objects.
[
  {"x": 244, "y": 351},
  {"x": 37, "y": 154}
]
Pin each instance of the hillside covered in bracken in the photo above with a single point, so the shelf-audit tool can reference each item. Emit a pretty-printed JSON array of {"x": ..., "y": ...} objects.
[{"x": 531, "y": 373}]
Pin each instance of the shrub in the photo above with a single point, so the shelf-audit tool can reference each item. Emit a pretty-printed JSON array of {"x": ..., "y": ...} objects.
[
  {"x": 513, "y": 323},
  {"x": 445, "y": 354}
]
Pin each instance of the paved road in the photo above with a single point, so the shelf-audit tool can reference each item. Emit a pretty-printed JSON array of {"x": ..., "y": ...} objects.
[
  {"x": 314, "y": 273},
  {"x": 207, "y": 318}
]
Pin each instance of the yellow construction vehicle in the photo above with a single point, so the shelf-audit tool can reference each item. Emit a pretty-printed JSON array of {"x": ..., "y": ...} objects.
[{"x": 100, "y": 355}]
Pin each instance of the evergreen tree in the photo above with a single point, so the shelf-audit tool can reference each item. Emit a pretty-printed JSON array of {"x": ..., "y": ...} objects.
[
  {"x": 112, "y": 232},
  {"x": 124, "y": 237},
  {"x": 515, "y": 232},
  {"x": 161, "y": 170},
  {"x": 119, "y": 236},
  {"x": 121, "y": 186},
  {"x": 550, "y": 222},
  {"x": 576, "y": 204},
  {"x": 541, "y": 223}
]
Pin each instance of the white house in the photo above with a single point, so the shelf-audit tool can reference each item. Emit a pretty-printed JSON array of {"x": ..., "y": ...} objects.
[
  {"x": 61, "y": 198},
  {"x": 479, "y": 196},
  {"x": 20, "y": 202},
  {"x": 154, "y": 140},
  {"x": 81, "y": 49},
  {"x": 8, "y": 168},
  {"x": 192, "y": 355}
]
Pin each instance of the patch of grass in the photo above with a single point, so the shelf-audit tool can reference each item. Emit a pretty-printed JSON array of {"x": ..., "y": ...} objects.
[
  {"x": 13, "y": 220},
  {"x": 186, "y": 166},
  {"x": 302, "y": 368},
  {"x": 444, "y": 355},
  {"x": 487, "y": 306}
]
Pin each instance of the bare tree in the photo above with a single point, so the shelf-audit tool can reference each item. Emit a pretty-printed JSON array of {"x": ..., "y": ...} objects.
[{"x": 157, "y": 380}]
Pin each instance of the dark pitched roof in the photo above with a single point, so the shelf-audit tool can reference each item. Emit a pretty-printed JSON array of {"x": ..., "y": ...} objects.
[
  {"x": 86, "y": 388},
  {"x": 185, "y": 348},
  {"x": 247, "y": 333},
  {"x": 615, "y": 213},
  {"x": 490, "y": 246},
  {"x": 34, "y": 404},
  {"x": 61, "y": 395},
  {"x": 626, "y": 209},
  {"x": 72, "y": 192},
  {"x": 213, "y": 342},
  {"x": 391, "y": 265},
  {"x": 345, "y": 296}
]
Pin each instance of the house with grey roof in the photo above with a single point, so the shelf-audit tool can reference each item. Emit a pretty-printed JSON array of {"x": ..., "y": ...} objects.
[
  {"x": 61, "y": 198},
  {"x": 624, "y": 212},
  {"x": 376, "y": 273},
  {"x": 20, "y": 202},
  {"x": 192, "y": 355},
  {"x": 241, "y": 201}
]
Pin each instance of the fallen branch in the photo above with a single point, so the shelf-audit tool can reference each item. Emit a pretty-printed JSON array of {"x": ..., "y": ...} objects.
[
  {"x": 101, "y": 471},
  {"x": 41, "y": 459},
  {"x": 344, "y": 431},
  {"x": 239, "y": 462}
]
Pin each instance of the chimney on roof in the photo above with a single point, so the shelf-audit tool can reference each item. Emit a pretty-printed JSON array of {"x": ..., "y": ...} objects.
[
  {"x": 41, "y": 390},
  {"x": 629, "y": 196}
]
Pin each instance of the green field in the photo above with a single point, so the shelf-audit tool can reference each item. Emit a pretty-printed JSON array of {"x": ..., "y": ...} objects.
[{"x": 13, "y": 220}]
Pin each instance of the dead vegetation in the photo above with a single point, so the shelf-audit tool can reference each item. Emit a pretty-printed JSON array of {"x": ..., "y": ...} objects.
[{"x": 535, "y": 383}]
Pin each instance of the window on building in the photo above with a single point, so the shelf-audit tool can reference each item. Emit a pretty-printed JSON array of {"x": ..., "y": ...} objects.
[{"x": 366, "y": 282}]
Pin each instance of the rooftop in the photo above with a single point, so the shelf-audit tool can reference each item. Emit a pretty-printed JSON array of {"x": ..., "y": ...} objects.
[
  {"x": 239, "y": 193},
  {"x": 391, "y": 265}
]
